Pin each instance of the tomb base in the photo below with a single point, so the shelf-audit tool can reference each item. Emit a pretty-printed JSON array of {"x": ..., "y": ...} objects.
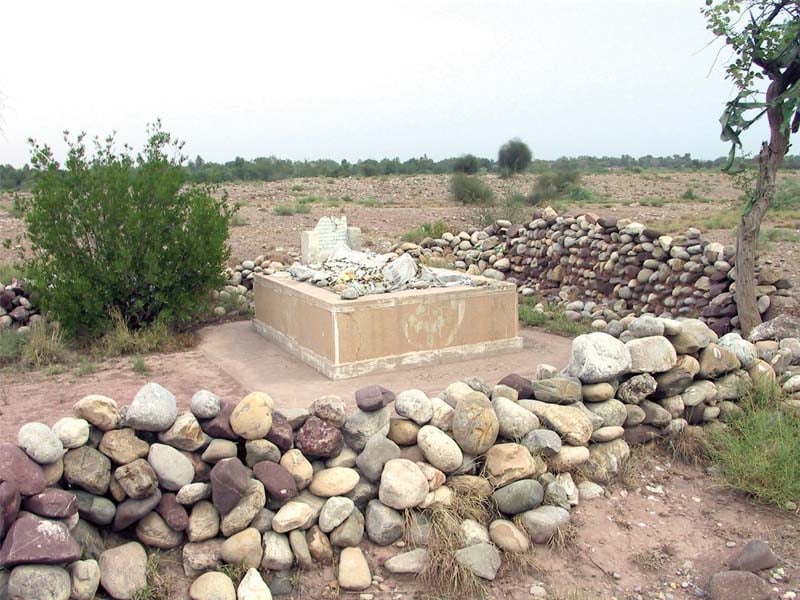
[{"x": 379, "y": 333}]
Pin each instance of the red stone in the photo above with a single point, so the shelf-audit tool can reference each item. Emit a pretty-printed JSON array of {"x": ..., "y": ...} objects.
[
  {"x": 52, "y": 503},
  {"x": 319, "y": 438},
  {"x": 229, "y": 480},
  {"x": 16, "y": 467},
  {"x": 278, "y": 482},
  {"x": 173, "y": 513},
  {"x": 220, "y": 426},
  {"x": 34, "y": 541},
  {"x": 281, "y": 433}
]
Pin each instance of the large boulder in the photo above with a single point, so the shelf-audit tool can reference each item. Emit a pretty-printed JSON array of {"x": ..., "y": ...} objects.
[
  {"x": 569, "y": 422},
  {"x": 606, "y": 460},
  {"x": 653, "y": 354},
  {"x": 154, "y": 408},
  {"x": 31, "y": 540},
  {"x": 598, "y": 357},
  {"x": 475, "y": 424},
  {"x": 440, "y": 449},
  {"x": 403, "y": 484}
]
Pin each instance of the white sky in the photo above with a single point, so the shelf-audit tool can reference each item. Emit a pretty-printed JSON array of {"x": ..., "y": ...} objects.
[{"x": 366, "y": 79}]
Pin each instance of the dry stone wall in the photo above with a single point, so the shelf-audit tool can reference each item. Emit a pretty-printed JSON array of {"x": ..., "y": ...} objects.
[
  {"x": 251, "y": 484},
  {"x": 610, "y": 267}
]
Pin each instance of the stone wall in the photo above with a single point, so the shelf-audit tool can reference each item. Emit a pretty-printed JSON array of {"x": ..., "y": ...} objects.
[
  {"x": 614, "y": 266},
  {"x": 270, "y": 489}
]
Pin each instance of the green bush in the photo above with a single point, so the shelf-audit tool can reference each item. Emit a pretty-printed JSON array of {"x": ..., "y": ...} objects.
[
  {"x": 470, "y": 190},
  {"x": 787, "y": 195},
  {"x": 556, "y": 184},
  {"x": 114, "y": 232},
  {"x": 468, "y": 164},
  {"x": 514, "y": 156}
]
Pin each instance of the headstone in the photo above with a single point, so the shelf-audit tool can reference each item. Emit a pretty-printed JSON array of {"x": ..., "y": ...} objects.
[{"x": 318, "y": 244}]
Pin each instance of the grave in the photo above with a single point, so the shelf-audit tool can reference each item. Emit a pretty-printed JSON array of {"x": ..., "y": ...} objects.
[{"x": 382, "y": 332}]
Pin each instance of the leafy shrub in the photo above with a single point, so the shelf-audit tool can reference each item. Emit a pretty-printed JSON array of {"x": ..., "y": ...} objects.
[
  {"x": 470, "y": 190},
  {"x": 11, "y": 346},
  {"x": 124, "y": 233},
  {"x": 468, "y": 164},
  {"x": 555, "y": 184},
  {"x": 513, "y": 207},
  {"x": 787, "y": 195},
  {"x": 514, "y": 156}
]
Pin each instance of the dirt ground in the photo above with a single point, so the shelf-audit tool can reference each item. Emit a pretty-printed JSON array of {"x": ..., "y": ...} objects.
[{"x": 660, "y": 534}]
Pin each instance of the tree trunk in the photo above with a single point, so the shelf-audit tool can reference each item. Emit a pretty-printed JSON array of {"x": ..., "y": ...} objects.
[{"x": 769, "y": 159}]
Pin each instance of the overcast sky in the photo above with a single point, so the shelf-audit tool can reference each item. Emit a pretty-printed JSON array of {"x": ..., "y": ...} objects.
[{"x": 366, "y": 79}]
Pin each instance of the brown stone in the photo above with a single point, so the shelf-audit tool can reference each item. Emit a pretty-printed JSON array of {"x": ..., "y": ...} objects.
[
  {"x": 523, "y": 386},
  {"x": 373, "y": 397},
  {"x": 122, "y": 446},
  {"x": 319, "y": 438},
  {"x": 34, "y": 541},
  {"x": 19, "y": 469},
  {"x": 10, "y": 500},
  {"x": 131, "y": 510},
  {"x": 220, "y": 426},
  {"x": 278, "y": 482},
  {"x": 737, "y": 585},
  {"x": 137, "y": 478},
  {"x": 173, "y": 513},
  {"x": 229, "y": 479},
  {"x": 52, "y": 503},
  {"x": 87, "y": 469},
  {"x": 281, "y": 433}
]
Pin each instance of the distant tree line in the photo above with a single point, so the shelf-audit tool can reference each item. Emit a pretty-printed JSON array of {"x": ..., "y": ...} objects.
[{"x": 272, "y": 168}]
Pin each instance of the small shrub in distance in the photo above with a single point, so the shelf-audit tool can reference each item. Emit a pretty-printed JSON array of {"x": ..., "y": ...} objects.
[
  {"x": 514, "y": 156},
  {"x": 787, "y": 195},
  {"x": 121, "y": 232},
  {"x": 426, "y": 230},
  {"x": 470, "y": 190},
  {"x": 556, "y": 184},
  {"x": 468, "y": 164}
]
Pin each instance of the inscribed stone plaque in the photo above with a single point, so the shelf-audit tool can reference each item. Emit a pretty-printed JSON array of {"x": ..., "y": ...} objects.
[{"x": 319, "y": 243}]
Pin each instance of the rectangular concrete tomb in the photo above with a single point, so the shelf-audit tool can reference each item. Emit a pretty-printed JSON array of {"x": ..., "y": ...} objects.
[{"x": 382, "y": 332}]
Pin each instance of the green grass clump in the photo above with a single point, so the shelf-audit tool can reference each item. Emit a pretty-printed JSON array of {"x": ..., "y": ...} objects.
[
  {"x": 552, "y": 319},
  {"x": 121, "y": 340},
  {"x": 558, "y": 184},
  {"x": 426, "y": 230},
  {"x": 238, "y": 220},
  {"x": 11, "y": 345},
  {"x": 287, "y": 210},
  {"x": 777, "y": 234},
  {"x": 787, "y": 195},
  {"x": 44, "y": 346},
  {"x": 759, "y": 450},
  {"x": 309, "y": 200},
  {"x": 470, "y": 190},
  {"x": 10, "y": 272},
  {"x": 297, "y": 187}
]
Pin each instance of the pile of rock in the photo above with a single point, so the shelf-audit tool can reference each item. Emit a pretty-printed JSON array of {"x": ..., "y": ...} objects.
[
  {"x": 613, "y": 267},
  {"x": 250, "y": 484},
  {"x": 16, "y": 308}
]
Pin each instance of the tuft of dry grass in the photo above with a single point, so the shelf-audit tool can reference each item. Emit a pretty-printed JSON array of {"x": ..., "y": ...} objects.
[
  {"x": 653, "y": 559},
  {"x": 44, "y": 346},
  {"x": 689, "y": 446},
  {"x": 234, "y": 572},
  {"x": 564, "y": 537},
  {"x": 158, "y": 587},
  {"x": 156, "y": 337},
  {"x": 443, "y": 576}
]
